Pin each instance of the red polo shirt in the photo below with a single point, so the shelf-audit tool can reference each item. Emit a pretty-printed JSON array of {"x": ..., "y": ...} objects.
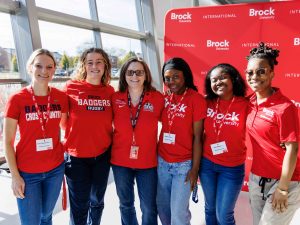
[
  {"x": 145, "y": 130},
  {"x": 269, "y": 124}
]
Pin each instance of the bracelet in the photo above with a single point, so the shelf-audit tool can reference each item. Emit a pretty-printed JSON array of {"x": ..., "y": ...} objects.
[{"x": 283, "y": 192}]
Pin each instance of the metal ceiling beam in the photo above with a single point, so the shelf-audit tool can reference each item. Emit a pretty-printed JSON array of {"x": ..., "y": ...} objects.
[{"x": 9, "y": 6}]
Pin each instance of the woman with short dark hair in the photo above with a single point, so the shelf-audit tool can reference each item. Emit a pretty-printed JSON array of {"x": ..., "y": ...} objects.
[{"x": 273, "y": 127}]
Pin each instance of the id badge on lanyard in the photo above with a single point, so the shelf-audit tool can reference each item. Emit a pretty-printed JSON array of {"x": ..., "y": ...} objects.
[
  {"x": 134, "y": 149},
  {"x": 169, "y": 138},
  {"x": 44, "y": 144},
  {"x": 219, "y": 148}
]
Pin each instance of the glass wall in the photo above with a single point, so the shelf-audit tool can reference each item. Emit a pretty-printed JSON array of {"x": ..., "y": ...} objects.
[
  {"x": 8, "y": 58},
  {"x": 73, "y": 7},
  {"x": 66, "y": 48},
  {"x": 118, "y": 12},
  {"x": 67, "y": 28}
]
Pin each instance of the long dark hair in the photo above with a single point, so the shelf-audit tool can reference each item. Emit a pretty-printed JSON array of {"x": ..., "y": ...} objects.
[
  {"x": 239, "y": 87},
  {"x": 182, "y": 65}
]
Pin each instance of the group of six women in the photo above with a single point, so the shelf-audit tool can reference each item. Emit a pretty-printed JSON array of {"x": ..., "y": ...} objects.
[{"x": 200, "y": 137}]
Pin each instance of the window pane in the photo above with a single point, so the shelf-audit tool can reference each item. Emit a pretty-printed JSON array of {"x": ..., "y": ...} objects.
[
  {"x": 120, "y": 49},
  {"x": 74, "y": 7},
  {"x": 8, "y": 60},
  {"x": 67, "y": 43},
  {"x": 118, "y": 12},
  {"x": 6, "y": 91}
]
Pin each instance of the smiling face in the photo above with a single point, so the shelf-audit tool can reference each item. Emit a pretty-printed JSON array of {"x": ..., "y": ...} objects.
[
  {"x": 42, "y": 69},
  {"x": 95, "y": 67},
  {"x": 259, "y": 75},
  {"x": 174, "y": 79},
  {"x": 221, "y": 83},
  {"x": 135, "y": 76}
]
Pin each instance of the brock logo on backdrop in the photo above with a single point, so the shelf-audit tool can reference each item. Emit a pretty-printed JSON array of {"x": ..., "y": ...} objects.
[
  {"x": 263, "y": 14},
  {"x": 296, "y": 41},
  {"x": 182, "y": 18},
  {"x": 218, "y": 45}
]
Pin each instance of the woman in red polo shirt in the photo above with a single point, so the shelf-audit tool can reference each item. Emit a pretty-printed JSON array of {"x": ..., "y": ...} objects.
[
  {"x": 180, "y": 144},
  {"x": 88, "y": 137},
  {"x": 222, "y": 165},
  {"x": 36, "y": 163},
  {"x": 272, "y": 122},
  {"x": 137, "y": 108}
]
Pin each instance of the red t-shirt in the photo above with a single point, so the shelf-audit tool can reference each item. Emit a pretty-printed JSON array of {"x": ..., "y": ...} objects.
[
  {"x": 232, "y": 130},
  {"x": 269, "y": 124},
  {"x": 145, "y": 130},
  {"x": 89, "y": 128},
  {"x": 192, "y": 109},
  {"x": 21, "y": 107}
]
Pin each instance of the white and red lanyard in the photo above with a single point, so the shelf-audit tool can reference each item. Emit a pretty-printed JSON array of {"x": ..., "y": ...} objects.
[
  {"x": 40, "y": 114},
  {"x": 172, "y": 112},
  {"x": 217, "y": 129},
  {"x": 135, "y": 119}
]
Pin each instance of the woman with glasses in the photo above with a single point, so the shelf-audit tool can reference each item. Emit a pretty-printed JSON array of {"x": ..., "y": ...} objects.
[
  {"x": 273, "y": 127},
  {"x": 88, "y": 137},
  {"x": 222, "y": 165},
  {"x": 180, "y": 144},
  {"x": 36, "y": 162},
  {"x": 137, "y": 108}
]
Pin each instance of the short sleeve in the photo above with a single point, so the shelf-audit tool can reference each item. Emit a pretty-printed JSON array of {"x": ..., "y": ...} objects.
[
  {"x": 289, "y": 125},
  {"x": 199, "y": 107},
  {"x": 12, "y": 108},
  {"x": 64, "y": 103}
]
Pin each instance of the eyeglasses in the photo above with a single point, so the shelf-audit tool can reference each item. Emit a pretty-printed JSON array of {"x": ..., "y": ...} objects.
[
  {"x": 259, "y": 72},
  {"x": 138, "y": 73}
]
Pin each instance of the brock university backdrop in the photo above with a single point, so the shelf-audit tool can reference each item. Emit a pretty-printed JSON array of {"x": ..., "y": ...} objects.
[{"x": 206, "y": 36}]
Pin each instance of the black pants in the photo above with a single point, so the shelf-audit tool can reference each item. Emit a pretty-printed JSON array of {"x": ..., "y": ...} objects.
[{"x": 87, "y": 182}]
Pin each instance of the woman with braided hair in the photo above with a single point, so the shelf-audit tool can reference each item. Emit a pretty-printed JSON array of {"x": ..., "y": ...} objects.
[{"x": 272, "y": 123}]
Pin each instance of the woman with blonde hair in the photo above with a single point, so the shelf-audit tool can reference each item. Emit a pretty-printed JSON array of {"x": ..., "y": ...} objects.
[
  {"x": 88, "y": 136},
  {"x": 36, "y": 163}
]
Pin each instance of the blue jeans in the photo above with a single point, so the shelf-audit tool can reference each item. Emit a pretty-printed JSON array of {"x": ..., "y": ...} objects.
[
  {"x": 146, "y": 180},
  {"x": 41, "y": 193},
  {"x": 173, "y": 193},
  {"x": 221, "y": 187},
  {"x": 87, "y": 181}
]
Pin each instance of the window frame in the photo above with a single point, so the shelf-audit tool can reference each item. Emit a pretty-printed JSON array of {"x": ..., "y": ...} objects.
[{"x": 25, "y": 14}]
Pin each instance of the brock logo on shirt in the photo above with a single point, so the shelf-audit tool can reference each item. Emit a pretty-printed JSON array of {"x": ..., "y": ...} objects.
[
  {"x": 180, "y": 112},
  {"x": 231, "y": 119},
  {"x": 267, "y": 114},
  {"x": 148, "y": 107},
  {"x": 31, "y": 112}
]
